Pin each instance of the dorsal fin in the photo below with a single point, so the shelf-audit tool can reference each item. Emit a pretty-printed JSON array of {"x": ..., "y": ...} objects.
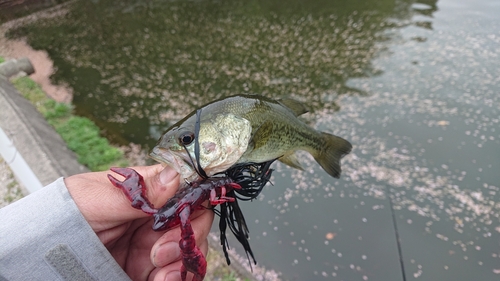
[{"x": 297, "y": 107}]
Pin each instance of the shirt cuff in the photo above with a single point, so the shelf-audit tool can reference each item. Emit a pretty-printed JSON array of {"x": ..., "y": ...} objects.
[{"x": 45, "y": 237}]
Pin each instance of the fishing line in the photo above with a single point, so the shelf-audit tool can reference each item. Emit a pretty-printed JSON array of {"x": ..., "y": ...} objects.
[
  {"x": 400, "y": 250},
  {"x": 252, "y": 177},
  {"x": 199, "y": 170}
]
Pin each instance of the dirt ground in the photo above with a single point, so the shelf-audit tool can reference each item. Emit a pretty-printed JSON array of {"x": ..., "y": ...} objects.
[{"x": 12, "y": 49}]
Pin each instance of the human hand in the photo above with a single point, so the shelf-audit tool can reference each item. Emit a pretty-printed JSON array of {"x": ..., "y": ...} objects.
[{"x": 126, "y": 232}]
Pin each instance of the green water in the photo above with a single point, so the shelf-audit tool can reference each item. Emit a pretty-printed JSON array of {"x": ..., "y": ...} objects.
[
  {"x": 136, "y": 67},
  {"x": 412, "y": 84}
]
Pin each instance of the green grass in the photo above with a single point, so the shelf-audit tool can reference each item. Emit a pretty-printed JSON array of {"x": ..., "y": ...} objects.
[{"x": 80, "y": 134}]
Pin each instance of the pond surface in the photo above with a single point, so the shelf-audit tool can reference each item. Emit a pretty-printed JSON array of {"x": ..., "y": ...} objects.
[{"x": 414, "y": 85}]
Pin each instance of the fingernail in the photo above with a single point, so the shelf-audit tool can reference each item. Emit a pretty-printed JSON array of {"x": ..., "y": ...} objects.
[
  {"x": 165, "y": 254},
  {"x": 173, "y": 276},
  {"x": 167, "y": 175}
]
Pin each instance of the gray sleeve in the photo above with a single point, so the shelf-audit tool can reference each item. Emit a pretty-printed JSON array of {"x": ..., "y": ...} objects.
[{"x": 45, "y": 237}]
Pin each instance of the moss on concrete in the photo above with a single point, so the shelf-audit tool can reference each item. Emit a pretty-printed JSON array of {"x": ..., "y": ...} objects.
[{"x": 80, "y": 134}]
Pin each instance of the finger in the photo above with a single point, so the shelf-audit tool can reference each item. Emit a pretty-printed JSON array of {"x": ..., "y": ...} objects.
[
  {"x": 161, "y": 183},
  {"x": 164, "y": 252},
  {"x": 204, "y": 247},
  {"x": 171, "y": 272},
  {"x": 103, "y": 205},
  {"x": 92, "y": 191}
]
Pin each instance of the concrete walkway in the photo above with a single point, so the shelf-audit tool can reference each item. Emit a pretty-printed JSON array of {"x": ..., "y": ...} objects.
[
  {"x": 28, "y": 144},
  {"x": 10, "y": 189}
]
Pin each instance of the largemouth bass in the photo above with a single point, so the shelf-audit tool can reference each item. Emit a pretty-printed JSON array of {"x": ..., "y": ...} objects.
[{"x": 246, "y": 129}]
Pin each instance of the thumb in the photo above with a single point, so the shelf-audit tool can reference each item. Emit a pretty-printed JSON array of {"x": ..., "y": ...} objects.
[
  {"x": 154, "y": 185},
  {"x": 161, "y": 183}
]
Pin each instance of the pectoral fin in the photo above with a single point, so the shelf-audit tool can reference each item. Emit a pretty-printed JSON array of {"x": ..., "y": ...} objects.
[
  {"x": 261, "y": 135},
  {"x": 291, "y": 160}
]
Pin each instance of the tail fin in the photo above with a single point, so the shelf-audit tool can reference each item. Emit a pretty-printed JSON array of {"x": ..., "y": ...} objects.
[{"x": 329, "y": 157}]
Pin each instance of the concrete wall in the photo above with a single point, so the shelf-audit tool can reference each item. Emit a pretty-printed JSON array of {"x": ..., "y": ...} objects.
[{"x": 34, "y": 139}]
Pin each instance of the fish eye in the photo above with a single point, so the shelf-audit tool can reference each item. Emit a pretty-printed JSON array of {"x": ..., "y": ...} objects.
[{"x": 186, "y": 138}]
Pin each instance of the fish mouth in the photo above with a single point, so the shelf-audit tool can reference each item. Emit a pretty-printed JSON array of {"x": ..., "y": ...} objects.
[{"x": 178, "y": 161}]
